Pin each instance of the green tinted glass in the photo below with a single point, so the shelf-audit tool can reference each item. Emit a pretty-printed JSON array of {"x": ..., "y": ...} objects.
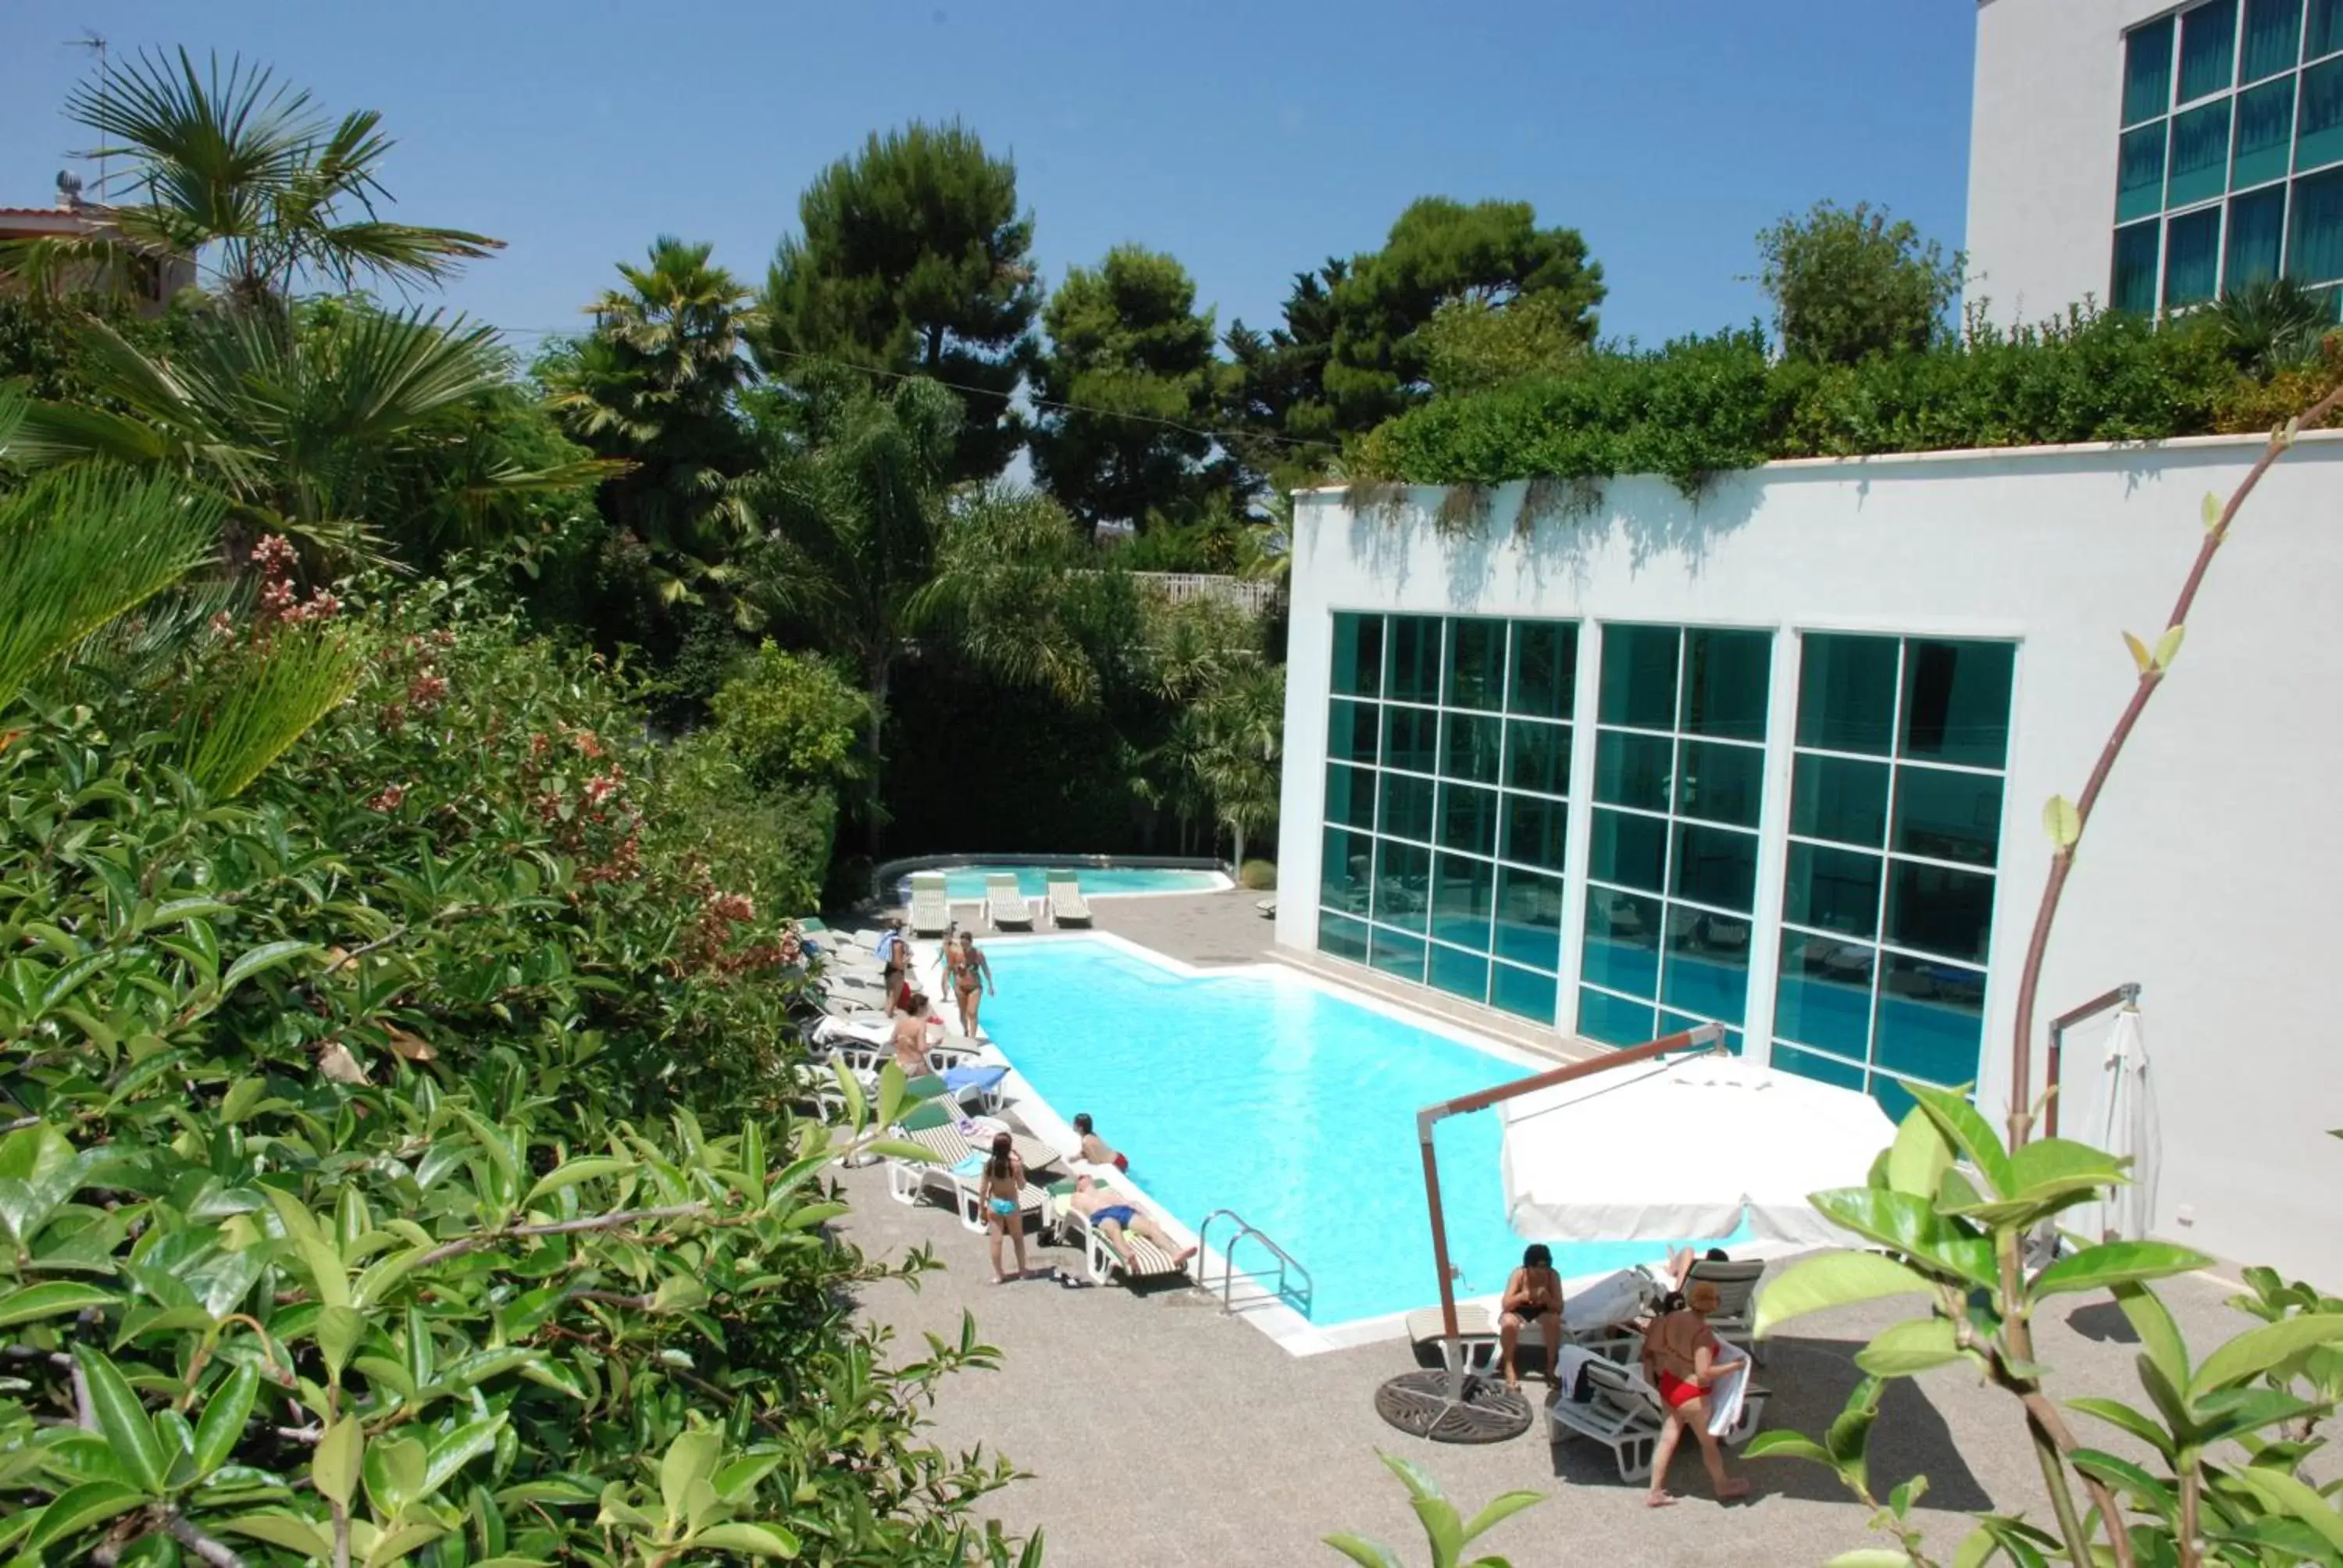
[
  {"x": 1476, "y": 663},
  {"x": 1410, "y": 738},
  {"x": 2147, "y": 71},
  {"x": 1342, "y": 938},
  {"x": 2273, "y": 30},
  {"x": 1935, "y": 909},
  {"x": 2322, "y": 32},
  {"x": 1537, "y": 756},
  {"x": 1931, "y": 1020},
  {"x": 1714, "y": 865},
  {"x": 2209, "y": 43},
  {"x": 1520, "y": 992},
  {"x": 2318, "y": 123},
  {"x": 1403, "y": 885},
  {"x": 1706, "y": 970},
  {"x": 1463, "y": 893},
  {"x": 1834, "y": 798},
  {"x": 1628, "y": 849},
  {"x": 1406, "y": 807},
  {"x": 1623, "y": 942},
  {"x": 2314, "y": 252},
  {"x": 1614, "y": 1021},
  {"x": 1633, "y": 769},
  {"x": 2192, "y": 257},
  {"x": 1720, "y": 783},
  {"x": 2264, "y": 130},
  {"x": 1460, "y": 974},
  {"x": 1397, "y": 956},
  {"x": 1948, "y": 816},
  {"x": 2132, "y": 286},
  {"x": 1412, "y": 673},
  {"x": 2198, "y": 165},
  {"x": 1847, "y": 689},
  {"x": 1468, "y": 818},
  {"x": 1358, "y": 655},
  {"x": 1349, "y": 795},
  {"x": 1535, "y": 827},
  {"x": 1725, "y": 678},
  {"x": 1470, "y": 747},
  {"x": 1835, "y": 889},
  {"x": 1351, "y": 731},
  {"x": 2139, "y": 171},
  {"x": 1639, "y": 676},
  {"x": 1529, "y": 918},
  {"x": 1823, "y": 993},
  {"x": 1545, "y": 669},
  {"x": 2257, "y": 227},
  {"x": 1346, "y": 871},
  {"x": 1956, "y": 702}
]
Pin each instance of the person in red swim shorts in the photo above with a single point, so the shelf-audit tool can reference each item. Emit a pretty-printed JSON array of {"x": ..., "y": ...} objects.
[
  {"x": 1680, "y": 1360},
  {"x": 1094, "y": 1149}
]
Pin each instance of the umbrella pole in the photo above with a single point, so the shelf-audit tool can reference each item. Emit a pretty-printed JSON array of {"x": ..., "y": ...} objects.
[
  {"x": 2126, "y": 994},
  {"x": 1708, "y": 1036}
]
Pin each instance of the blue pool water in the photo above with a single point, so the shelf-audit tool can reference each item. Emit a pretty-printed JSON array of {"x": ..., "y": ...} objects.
[
  {"x": 966, "y": 883},
  {"x": 1265, "y": 1094}
]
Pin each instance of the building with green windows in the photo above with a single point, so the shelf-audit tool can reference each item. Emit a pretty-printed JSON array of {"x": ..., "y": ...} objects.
[
  {"x": 1778, "y": 760},
  {"x": 2153, "y": 156}
]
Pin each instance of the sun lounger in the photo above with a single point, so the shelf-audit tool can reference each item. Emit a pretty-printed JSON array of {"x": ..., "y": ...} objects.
[
  {"x": 1476, "y": 1336},
  {"x": 1737, "y": 1288},
  {"x": 1622, "y": 1411},
  {"x": 931, "y": 913},
  {"x": 1101, "y": 1261},
  {"x": 1005, "y": 907},
  {"x": 1067, "y": 905}
]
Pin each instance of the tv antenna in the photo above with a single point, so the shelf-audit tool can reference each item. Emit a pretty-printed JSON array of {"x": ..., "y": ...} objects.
[{"x": 94, "y": 42}]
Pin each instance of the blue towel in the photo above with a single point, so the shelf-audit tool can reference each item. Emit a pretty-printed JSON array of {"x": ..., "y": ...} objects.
[
  {"x": 984, "y": 1078},
  {"x": 973, "y": 1165}
]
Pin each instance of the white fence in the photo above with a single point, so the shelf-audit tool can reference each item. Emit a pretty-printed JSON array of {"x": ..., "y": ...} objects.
[{"x": 1248, "y": 594}]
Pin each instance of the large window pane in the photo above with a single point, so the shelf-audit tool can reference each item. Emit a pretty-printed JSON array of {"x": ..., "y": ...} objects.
[
  {"x": 1529, "y": 918},
  {"x": 1623, "y": 942},
  {"x": 2322, "y": 32},
  {"x": 1956, "y": 702},
  {"x": 1358, "y": 655},
  {"x": 1412, "y": 672},
  {"x": 2198, "y": 165},
  {"x": 1834, "y": 798},
  {"x": 1350, "y": 796},
  {"x": 1463, "y": 893},
  {"x": 2315, "y": 248},
  {"x": 1534, "y": 831},
  {"x": 1343, "y": 939},
  {"x": 1822, "y": 997},
  {"x": 1537, "y": 756},
  {"x": 1614, "y": 1021},
  {"x": 2132, "y": 286},
  {"x": 1836, "y": 890},
  {"x": 1938, "y": 910},
  {"x": 1545, "y": 669},
  {"x": 1518, "y": 991},
  {"x": 1395, "y": 955},
  {"x": 1403, "y": 886},
  {"x": 1948, "y": 816},
  {"x": 1346, "y": 871},
  {"x": 1633, "y": 769},
  {"x": 1639, "y": 676},
  {"x": 1410, "y": 738},
  {"x": 1630, "y": 850},
  {"x": 2256, "y": 226},
  {"x": 1846, "y": 688},
  {"x": 2319, "y": 125},
  {"x": 1719, "y": 782},
  {"x": 1406, "y": 807},
  {"x": 2147, "y": 71},
  {"x": 1468, "y": 818},
  {"x": 1931, "y": 1020},
  {"x": 1707, "y": 968},
  {"x": 1470, "y": 747},
  {"x": 1460, "y": 974},
  {"x": 1351, "y": 731},
  {"x": 2139, "y": 171},
  {"x": 1821, "y": 1069},
  {"x": 1476, "y": 663},
  {"x": 2209, "y": 40},
  {"x": 2273, "y": 27},
  {"x": 1725, "y": 675},
  {"x": 2264, "y": 128},
  {"x": 1715, "y": 866},
  {"x": 2192, "y": 257}
]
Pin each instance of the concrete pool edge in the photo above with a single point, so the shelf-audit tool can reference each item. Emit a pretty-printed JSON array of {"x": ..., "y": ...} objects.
[{"x": 1292, "y": 1332}]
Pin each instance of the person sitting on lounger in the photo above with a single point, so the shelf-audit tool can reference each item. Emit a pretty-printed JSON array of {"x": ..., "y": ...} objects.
[
  {"x": 1532, "y": 1295},
  {"x": 1681, "y": 1360},
  {"x": 1114, "y": 1218},
  {"x": 1094, "y": 1149},
  {"x": 911, "y": 1037}
]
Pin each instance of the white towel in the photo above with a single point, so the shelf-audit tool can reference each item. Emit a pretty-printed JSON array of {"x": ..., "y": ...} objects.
[
  {"x": 1567, "y": 1359},
  {"x": 1725, "y": 1395},
  {"x": 1609, "y": 1301}
]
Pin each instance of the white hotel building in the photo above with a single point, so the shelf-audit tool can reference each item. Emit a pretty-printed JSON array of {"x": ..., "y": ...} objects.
[{"x": 1776, "y": 758}]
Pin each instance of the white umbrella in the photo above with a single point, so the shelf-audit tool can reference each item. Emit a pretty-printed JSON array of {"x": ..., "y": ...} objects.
[
  {"x": 1686, "y": 1151},
  {"x": 2123, "y": 1122}
]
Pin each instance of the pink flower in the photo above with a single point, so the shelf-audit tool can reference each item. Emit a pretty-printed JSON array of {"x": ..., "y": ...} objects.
[
  {"x": 392, "y": 794},
  {"x": 223, "y": 624},
  {"x": 273, "y": 554}
]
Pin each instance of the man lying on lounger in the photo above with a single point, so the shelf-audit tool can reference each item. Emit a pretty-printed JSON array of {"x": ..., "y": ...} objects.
[{"x": 1112, "y": 1217}]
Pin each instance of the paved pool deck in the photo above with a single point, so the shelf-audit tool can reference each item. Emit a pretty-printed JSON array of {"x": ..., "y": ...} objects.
[{"x": 1158, "y": 1434}]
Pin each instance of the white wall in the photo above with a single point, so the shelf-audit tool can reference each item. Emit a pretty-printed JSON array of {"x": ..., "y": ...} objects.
[
  {"x": 2042, "y": 151},
  {"x": 2213, "y": 873}
]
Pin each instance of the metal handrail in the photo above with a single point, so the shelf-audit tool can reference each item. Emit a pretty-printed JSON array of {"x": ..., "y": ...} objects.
[
  {"x": 2123, "y": 995},
  {"x": 1282, "y": 1290}
]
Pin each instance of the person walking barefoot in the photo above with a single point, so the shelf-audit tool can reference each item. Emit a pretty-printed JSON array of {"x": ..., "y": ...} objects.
[
  {"x": 972, "y": 974},
  {"x": 1680, "y": 1361},
  {"x": 1004, "y": 1183}
]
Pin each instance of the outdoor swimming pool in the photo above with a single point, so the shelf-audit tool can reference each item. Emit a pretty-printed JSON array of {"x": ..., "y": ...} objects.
[
  {"x": 967, "y": 882},
  {"x": 1269, "y": 1094}
]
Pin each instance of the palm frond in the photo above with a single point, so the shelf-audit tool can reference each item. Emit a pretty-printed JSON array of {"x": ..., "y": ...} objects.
[
  {"x": 82, "y": 544},
  {"x": 264, "y": 704}
]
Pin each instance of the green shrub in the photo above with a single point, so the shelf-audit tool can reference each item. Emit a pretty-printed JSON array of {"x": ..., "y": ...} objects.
[
  {"x": 1261, "y": 876},
  {"x": 792, "y": 720}
]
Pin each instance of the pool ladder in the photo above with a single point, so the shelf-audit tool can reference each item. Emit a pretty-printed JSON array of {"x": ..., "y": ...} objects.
[{"x": 1261, "y": 1287}]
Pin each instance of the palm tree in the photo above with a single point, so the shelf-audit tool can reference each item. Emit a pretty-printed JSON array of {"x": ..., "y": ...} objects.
[
  {"x": 656, "y": 386},
  {"x": 2272, "y": 324},
  {"x": 1243, "y": 719},
  {"x": 249, "y": 169}
]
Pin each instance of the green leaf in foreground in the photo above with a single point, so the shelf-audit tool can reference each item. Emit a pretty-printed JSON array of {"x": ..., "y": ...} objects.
[{"x": 1833, "y": 1280}]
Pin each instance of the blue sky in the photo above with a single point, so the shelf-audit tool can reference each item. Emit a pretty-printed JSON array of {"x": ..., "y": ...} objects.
[{"x": 1250, "y": 140}]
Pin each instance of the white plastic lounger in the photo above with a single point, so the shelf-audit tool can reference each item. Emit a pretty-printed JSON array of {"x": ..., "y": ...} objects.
[
  {"x": 1067, "y": 905},
  {"x": 1100, "y": 1259},
  {"x": 1736, "y": 1287},
  {"x": 1621, "y": 1412},
  {"x": 1005, "y": 907},
  {"x": 931, "y": 913}
]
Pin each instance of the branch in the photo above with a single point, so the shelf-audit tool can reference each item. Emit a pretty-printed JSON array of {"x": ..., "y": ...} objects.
[
  {"x": 473, "y": 1243},
  {"x": 213, "y": 1552},
  {"x": 2021, "y": 1084}
]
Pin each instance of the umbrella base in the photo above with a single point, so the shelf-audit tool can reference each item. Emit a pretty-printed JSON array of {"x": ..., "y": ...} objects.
[{"x": 1432, "y": 1404}]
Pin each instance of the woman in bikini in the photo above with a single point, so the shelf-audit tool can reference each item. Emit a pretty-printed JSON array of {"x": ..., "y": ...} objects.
[
  {"x": 973, "y": 977},
  {"x": 1004, "y": 1183},
  {"x": 1680, "y": 1360},
  {"x": 1534, "y": 1294}
]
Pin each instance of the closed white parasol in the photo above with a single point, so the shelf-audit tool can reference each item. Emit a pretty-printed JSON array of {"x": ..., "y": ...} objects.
[
  {"x": 1685, "y": 1150},
  {"x": 2122, "y": 1120}
]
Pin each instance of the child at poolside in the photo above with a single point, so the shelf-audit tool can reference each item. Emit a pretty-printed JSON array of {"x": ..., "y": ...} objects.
[
  {"x": 1004, "y": 1185},
  {"x": 1094, "y": 1149}
]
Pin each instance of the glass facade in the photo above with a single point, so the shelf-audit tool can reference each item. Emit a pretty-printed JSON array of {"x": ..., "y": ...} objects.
[
  {"x": 1447, "y": 803},
  {"x": 2229, "y": 156},
  {"x": 1896, "y": 801},
  {"x": 1671, "y": 851}
]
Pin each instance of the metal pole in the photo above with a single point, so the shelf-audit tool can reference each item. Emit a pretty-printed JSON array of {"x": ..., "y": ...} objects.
[
  {"x": 2123, "y": 995},
  {"x": 1708, "y": 1036}
]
